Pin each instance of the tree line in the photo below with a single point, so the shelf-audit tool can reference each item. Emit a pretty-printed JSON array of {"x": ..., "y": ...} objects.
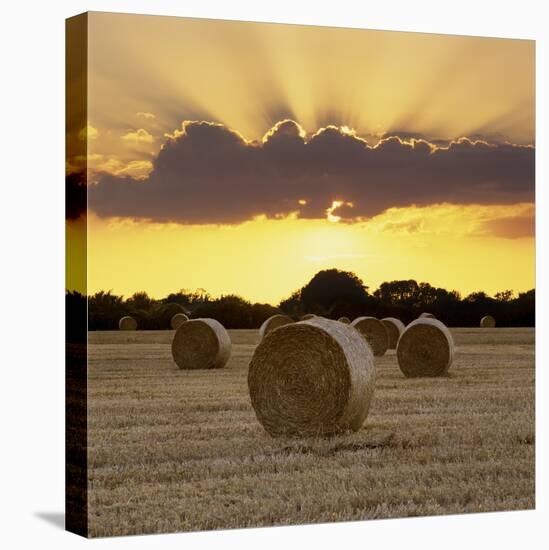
[{"x": 331, "y": 293}]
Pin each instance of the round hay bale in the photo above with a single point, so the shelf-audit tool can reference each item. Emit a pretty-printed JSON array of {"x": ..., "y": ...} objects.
[
  {"x": 375, "y": 333},
  {"x": 425, "y": 348},
  {"x": 315, "y": 377},
  {"x": 273, "y": 322},
  {"x": 177, "y": 320},
  {"x": 426, "y": 316},
  {"x": 395, "y": 327},
  {"x": 201, "y": 344},
  {"x": 345, "y": 320},
  {"x": 307, "y": 316},
  {"x": 127, "y": 323},
  {"x": 488, "y": 322}
]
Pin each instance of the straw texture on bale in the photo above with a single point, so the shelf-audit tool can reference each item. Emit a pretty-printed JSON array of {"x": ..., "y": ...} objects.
[
  {"x": 307, "y": 316},
  {"x": 487, "y": 322},
  {"x": 395, "y": 327},
  {"x": 273, "y": 322},
  {"x": 425, "y": 348},
  {"x": 345, "y": 320},
  {"x": 127, "y": 323},
  {"x": 426, "y": 316},
  {"x": 315, "y": 377},
  {"x": 201, "y": 344},
  {"x": 374, "y": 332},
  {"x": 177, "y": 320}
]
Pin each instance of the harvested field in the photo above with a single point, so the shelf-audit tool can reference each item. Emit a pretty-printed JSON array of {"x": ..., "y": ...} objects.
[{"x": 182, "y": 450}]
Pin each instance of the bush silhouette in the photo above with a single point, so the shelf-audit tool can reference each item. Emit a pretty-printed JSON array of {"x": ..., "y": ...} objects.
[
  {"x": 330, "y": 293},
  {"x": 162, "y": 314}
]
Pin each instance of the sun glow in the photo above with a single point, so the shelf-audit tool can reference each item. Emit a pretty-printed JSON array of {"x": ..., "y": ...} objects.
[
  {"x": 330, "y": 216},
  {"x": 466, "y": 248}
]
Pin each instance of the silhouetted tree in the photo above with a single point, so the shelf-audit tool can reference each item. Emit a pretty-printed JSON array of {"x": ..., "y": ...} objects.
[
  {"x": 231, "y": 311},
  {"x": 293, "y": 306},
  {"x": 140, "y": 300},
  {"x": 477, "y": 297},
  {"x": 331, "y": 293},
  {"x": 161, "y": 314},
  {"x": 524, "y": 309},
  {"x": 181, "y": 298},
  {"x": 144, "y": 318},
  {"x": 398, "y": 293},
  {"x": 330, "y": 287},
  {"x": 105, "y": 310},
  {"x": 504, "y": 295},
  {"x": 261, "y": 312},
  {"x": 188, "y": 298}
]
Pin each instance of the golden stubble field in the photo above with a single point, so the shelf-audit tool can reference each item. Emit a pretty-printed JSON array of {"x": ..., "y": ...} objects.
[{"x": 173, "y": 450}]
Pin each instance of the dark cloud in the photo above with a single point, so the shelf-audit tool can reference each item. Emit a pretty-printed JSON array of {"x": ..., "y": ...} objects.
[
  {"x": 512, "y": 227},
  {"x": 207, "y": 173},
  {"x": 496, "y": 138},
  {"x": 407, "y": 136}
]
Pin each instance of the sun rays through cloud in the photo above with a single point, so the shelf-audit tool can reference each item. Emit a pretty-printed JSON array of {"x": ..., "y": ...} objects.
[{"x": 370, "y": 81}]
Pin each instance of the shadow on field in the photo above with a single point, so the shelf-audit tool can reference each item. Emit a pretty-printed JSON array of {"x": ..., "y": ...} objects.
[
  {"x": 331, "y": 450},
  {"x": 57, "y": 519}
]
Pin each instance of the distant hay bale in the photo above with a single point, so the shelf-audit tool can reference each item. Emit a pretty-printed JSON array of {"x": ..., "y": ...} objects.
[
  {"x": 273, "y": 322},
  {"x": 177, "y": 320},
  {"x": 201, "y": 344},
  {"x": 395, "y": 327},
  {"x": 374, "y": 332},
  {"x": 127, "y": 323},
  {"x": 426, "y": 316},
  {"x": 345, "y": 320},
  {"x": 315, "y": 377},
  {"x": 307, "y": 316},
  {"x": 487, "y": 322},
  {"x": 425, "y": 348}
]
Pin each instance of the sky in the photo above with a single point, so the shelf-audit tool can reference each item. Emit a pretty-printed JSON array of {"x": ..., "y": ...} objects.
[{"x": 244, "y": 157}]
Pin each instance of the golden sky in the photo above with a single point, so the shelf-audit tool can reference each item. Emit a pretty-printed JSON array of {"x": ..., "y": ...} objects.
[{"x": 148, "y": 75}]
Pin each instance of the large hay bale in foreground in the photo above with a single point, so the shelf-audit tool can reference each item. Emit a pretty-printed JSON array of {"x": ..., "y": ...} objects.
[
  {"x": 487, "y": 322},
  {"x": 273, "y": 322},
  {"x": 177, "y": 320},
  {"x": 395, "y": 327},
  {"x": 201, "y": 344},
  {"x": 307, "y": 316},
  {"x": 426, "y": 316},
  {"x": 127, "y": 323},
  {"x": 425, "y": 348},
  {"x": 374, "y": 332},
  {"x": 315, "y": 377},
  {"x": 345, "y": 320}
]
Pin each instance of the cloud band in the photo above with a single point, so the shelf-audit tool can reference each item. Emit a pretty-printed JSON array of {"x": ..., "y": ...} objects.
[{"x": 208, "y": 173}]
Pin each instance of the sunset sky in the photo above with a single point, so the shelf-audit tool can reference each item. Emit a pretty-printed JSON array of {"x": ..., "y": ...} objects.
[{"x": 244, "y": 157}]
